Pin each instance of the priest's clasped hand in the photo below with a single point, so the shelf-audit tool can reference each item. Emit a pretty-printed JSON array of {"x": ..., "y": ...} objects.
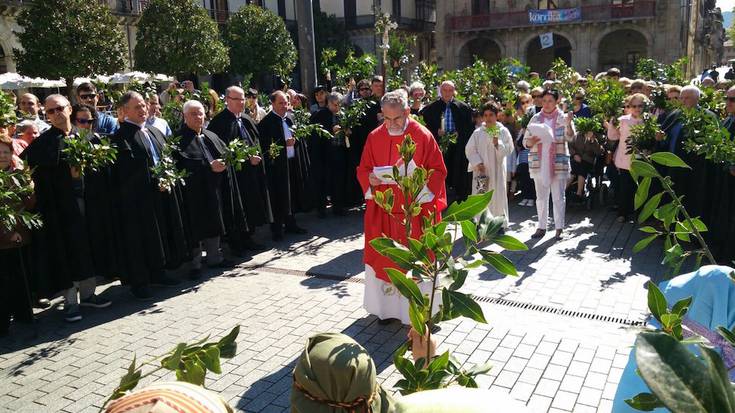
[
  {"x": 217, "y": 166},
  {"x": 481, "y": 167},
  {"x": 255, "y": 160},
  {"x": 290, "y": 142}
]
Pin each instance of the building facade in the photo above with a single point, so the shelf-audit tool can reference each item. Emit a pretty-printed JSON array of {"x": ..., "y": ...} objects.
[{"x": 589, "y": 34}]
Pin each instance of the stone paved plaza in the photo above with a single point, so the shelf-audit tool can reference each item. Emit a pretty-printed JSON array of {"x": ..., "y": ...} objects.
[{"x": 558, "y": 335}]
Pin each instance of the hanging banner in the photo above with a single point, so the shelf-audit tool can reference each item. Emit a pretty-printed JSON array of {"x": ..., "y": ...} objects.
[
  {"x": 547, "y": 40},
  {"x": 554, "y": 16}
]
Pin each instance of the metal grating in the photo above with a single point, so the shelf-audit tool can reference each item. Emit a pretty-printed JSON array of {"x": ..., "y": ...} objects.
[{"x": 489, "y": 300}]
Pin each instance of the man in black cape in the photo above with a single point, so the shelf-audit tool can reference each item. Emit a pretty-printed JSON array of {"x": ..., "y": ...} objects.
[
  {"x": 692, "y": 184},
  {"x": 61, "y": 247},
  {"x": 329, "y": 159},
  {"x": 151, "y": 225},
  {"x": 288, "y": 172},
  {"x": 231, "y": 124},
  {"x": 199, "y": 153},
  {"x": 722, "y": 228},
  {"x": 449, "y": 115},
  {"x": 358, "y": 136}
]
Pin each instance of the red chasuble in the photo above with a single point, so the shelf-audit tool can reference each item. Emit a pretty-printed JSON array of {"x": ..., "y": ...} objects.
[{"x": 381, "y": 149}]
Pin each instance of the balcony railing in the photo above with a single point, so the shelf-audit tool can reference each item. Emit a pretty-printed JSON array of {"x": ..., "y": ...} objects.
[
  {"x": 506, "y": 20},
  {"x": 367, "y": 21}
]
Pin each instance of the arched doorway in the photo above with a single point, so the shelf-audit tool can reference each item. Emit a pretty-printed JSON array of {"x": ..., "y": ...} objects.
[
  {"x": 622, "y": 49},
  {"x": 540, "y": 60},
  {"x": 3, "y": 60},
  {"x": 480, "y": 48}
]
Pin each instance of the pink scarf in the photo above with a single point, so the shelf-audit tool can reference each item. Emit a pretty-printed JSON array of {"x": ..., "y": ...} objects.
[{"x": 550, "y": 151}]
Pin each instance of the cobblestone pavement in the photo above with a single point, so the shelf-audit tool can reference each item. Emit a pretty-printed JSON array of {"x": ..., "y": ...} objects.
[{"x": 558, "y": 335}]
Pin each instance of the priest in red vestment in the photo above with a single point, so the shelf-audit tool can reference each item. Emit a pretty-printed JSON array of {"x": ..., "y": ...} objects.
[{"x": 381, "y": 151}]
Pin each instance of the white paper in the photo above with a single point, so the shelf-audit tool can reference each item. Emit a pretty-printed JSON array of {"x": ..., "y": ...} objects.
[
  {"x": 385, "y": 173},
  {"x": 543, "y": 131}
]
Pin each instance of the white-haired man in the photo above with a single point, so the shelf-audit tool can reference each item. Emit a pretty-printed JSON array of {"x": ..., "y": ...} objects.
[
  {"x": 380, "y": 154},
  {"x": 448, "y": 115},
  {"x": 64, "y": 254},
  {"x": 693, "y": 184},
  {"x": 199, "y": 153},
  {"x": 232, "y": 124},
  {"x": 417, "y": 91}
]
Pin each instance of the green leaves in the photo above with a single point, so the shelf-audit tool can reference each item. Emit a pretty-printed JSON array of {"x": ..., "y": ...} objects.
[
  {"x": 190, "y": 362},
  {"x": 166, "y": 171},
  {"x": 645, "y": 402},
  {"x": 82, "y": 153},
  {"x": 656, "y": 301},
  {"x": 182, "y": 37},
  {"x": 465, "y": 305},
  {"x": 642, "y": 244},
  {"x": 644, "y": 169},
  {"x": 650, "y": 207},
  {"x": 668, "y": 159},
  {"x": 462, "y": 211},
  {"x": 15, "y": 188},
  {"x": 681, "y": 381},
  {"x": 510, "y": 243},
  {"x": 405, "y": 285},
  {"x": 502, "y": 264}
]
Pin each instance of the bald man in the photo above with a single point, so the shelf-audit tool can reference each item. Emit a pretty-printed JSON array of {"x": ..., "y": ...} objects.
[{"x": 30, "y": 107}]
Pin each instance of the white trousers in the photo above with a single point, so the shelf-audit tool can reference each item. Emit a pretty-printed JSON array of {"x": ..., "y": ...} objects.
[{"x": 556, "y": 188}]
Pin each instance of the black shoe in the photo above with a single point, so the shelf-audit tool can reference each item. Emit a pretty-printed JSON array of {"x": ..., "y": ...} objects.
[
  {"x": 142, "y": 293},
  {"x": 165, "y": 280},
  {"x": 539, "y": 234},
  {"x": 295, "y": 229},
  {"x": 195, "y": 274},
  {"x": 224, "y": 264},
  {"x": 277, "y": 236},
  {"x": 384, "y": 322},
  {"x": 251, "y": 245}
]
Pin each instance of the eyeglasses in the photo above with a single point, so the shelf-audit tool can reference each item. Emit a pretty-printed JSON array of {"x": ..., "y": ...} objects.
[
  {"x": 237, "y": 99},
  {"x": 84, "y": 121},
  {"x": 88, "y": 96},
  {"x": 730, "y": 99},
  {"x": 59, "y": 109}
]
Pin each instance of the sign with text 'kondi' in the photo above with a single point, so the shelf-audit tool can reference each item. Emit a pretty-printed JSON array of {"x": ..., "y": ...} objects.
[{"x": 554, "y": 16}]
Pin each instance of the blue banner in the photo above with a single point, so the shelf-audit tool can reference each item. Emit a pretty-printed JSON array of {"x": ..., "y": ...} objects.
[{"x": 555, "y": 16}]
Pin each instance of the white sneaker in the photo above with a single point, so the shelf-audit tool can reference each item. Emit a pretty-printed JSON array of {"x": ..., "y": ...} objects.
[{"x": 531, "y": 203}]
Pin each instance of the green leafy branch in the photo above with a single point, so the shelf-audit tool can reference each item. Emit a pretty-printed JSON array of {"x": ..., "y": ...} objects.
[
  {"x": 79, "y": 152},
  {"x": 676, "y": 223},
  {"x": 190, "y": 362},
  {"x": 275, "y": 150},
  {"x": 166, "y": 171},
  {"x": 237, "y": 153},
  {"x": 303, "y": 129},
  {"x": 15, "y": 188},
  {"x": 429, "y": 259}
]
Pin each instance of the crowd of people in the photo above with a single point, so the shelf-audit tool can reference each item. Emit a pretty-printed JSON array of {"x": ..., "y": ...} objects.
[{"x": 118, "y": 222}]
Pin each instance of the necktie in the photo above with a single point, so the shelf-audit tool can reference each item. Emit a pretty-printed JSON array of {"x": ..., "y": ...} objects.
[
  {"x": 200, "y": 139},
  {"x": 151, "y": 147},
  {"x": 448, "y": 120}
]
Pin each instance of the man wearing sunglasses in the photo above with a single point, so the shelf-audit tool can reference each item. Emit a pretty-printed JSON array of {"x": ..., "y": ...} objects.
[
  {"x": 104, "y": 123},
  {"x": 64, "y": 254}
]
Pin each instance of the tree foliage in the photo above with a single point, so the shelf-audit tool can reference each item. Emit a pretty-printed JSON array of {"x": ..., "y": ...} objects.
[
  {"x": 178, "y": 37},
  {"x": 260, "y": 44},
  {"x": 330, "y": 33},
  {"x": 68, "y": 38}
]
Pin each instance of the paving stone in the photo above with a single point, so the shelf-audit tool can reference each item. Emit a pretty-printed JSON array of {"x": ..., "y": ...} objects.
[
  {"x": 564, "y": 400},
  {"x": 547, "y": 387}
]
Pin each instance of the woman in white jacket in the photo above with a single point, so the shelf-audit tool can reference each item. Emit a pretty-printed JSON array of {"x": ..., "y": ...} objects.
[{"x": 486, "y": 151}]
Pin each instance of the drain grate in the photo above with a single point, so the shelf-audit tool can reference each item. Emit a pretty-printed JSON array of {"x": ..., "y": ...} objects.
[{"x": 489, "y": 300}]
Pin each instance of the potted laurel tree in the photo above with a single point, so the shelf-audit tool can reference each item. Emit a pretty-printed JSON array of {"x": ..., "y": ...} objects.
[
  {"x": 190, "y": 363},
  {"x": 678, "y": 379},
  {"x": 430, "y": 259}
]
